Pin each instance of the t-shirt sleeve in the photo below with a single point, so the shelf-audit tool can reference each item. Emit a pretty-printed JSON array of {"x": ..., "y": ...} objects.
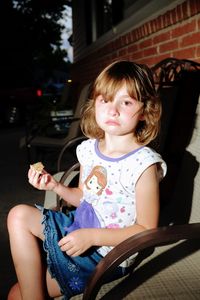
[
  {"x": 149, "y": 157},
  {"x": 84, "y": 152},
  {"x": 85, "y": 156}
]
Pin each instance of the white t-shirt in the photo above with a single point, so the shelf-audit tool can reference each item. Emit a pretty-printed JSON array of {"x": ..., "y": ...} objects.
[{"x": 109, "y": 183}]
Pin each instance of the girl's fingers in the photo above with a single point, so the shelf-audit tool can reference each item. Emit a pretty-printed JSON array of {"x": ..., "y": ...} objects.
[
  {"x": 34, "y": 177},
  {"x": 44, "y": 180},
  {"x": 37, "y": 178},
  {"x": 41, "y": 181},
  {"x": 47, "y": 178},
  {"x": 69, "y": 249}
]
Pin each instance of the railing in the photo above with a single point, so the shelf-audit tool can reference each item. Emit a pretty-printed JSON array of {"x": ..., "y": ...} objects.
[{"x": 170, "y": 70}]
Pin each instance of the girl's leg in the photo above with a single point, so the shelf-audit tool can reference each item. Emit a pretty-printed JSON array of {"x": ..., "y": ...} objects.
[
  {"x": 53, "y": 289},
  {"x": 52, "y": 286},
  {"x": 14, "y": 293},
  {"x": 24, "y": 226}
]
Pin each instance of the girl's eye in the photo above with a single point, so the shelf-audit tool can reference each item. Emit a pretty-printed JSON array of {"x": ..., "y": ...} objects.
[
  {"x": 127, "y": 103},
  {"x": 103, "y": 100}
]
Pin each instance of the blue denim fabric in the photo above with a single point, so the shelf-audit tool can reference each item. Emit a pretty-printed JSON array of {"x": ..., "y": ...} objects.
[{"x": 71, "y": 273}]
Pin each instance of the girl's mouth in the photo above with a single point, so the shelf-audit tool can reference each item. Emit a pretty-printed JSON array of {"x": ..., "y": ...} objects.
[{"x": 112, "y": 123}]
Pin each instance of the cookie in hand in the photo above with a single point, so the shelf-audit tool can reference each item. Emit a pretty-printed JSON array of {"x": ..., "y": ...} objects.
[{"x": 38, "y": 167}]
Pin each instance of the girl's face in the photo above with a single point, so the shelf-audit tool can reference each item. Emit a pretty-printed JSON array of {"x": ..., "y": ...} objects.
[{"x": 119, "y": 116}]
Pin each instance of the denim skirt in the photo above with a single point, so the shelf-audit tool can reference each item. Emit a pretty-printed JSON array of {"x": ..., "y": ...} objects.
[{"x": 71, "y": 273}]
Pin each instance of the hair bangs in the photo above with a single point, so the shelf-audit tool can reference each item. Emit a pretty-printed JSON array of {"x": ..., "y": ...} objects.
[{"x": 107, "y": 87}]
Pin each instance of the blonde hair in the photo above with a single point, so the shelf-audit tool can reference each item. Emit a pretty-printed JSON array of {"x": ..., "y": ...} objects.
[{"x": 140, "y": 85}]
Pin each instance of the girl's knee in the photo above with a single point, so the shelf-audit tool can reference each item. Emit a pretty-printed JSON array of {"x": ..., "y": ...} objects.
[
  {"x": 25, "y": 217},
  {"x": 18, "y": 214}
]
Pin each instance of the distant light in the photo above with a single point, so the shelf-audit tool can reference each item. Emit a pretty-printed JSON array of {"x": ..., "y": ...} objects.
[
  {"x": 39, "y": 93},
  {"x": 69, "y": 80}
]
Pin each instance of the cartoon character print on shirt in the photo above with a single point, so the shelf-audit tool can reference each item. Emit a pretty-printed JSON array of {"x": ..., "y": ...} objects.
[
  {"x": 97, "y": 180},
  {"x": 95, "y": 185}
]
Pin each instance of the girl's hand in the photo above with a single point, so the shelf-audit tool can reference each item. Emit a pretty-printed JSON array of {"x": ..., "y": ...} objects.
[
  {"x": 76, "y": 242},
  {"x": 43, "y": 181}
]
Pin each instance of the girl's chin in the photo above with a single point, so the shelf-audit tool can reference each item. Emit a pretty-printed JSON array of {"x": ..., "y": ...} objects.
[{"x": 115, "y": 133}]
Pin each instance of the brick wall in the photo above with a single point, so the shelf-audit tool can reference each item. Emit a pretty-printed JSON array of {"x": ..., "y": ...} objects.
[{"x": 176, "y": 33}]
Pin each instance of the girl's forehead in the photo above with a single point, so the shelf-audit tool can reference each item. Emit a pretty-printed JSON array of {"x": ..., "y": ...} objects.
[
  {"x": 122, "y": 91},
  {"x": 119, "y": 88}
]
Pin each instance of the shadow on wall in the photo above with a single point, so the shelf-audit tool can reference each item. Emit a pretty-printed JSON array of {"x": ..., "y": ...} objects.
[{"x": 177, "y": 124}]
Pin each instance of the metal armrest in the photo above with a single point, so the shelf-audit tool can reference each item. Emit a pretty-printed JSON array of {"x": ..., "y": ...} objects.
[{"x": 69, "y": 144}]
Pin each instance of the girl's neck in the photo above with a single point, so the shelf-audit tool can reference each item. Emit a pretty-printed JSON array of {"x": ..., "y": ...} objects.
[{"x": 116, "y": 146}]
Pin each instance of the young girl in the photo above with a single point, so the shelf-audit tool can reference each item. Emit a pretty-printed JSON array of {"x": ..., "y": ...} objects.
[{"x": 117, "y": 196}]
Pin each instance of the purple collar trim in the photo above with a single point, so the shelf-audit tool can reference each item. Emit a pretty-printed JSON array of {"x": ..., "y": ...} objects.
[{"x": 115, "y": 159}]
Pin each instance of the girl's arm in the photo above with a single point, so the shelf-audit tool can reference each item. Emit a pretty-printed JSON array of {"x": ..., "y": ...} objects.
[
  {"x": 45, "y": 181},
  {"x": 147, "y": 207},
  {"x": 71, "y": 195}
]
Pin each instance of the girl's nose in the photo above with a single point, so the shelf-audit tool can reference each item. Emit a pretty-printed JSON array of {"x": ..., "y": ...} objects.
[{"x": 113, "y": 109}]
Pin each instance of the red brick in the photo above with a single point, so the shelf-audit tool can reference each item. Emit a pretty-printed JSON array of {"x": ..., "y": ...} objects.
[
  {"x": 146, "y": 43},
  {"x": 198, "y": 6},
  {"x": 128, "y": 35},
  {"x": 140, "y": 33},
  {"x": 198, "y": 24},
  {"x": 154, "y": 25},
  {"x": 190, "y": 39},
  {"x": 185, "y": 9},
  {"x": 149, "y": 27},
  {"x": 159, "y": 23},
  {"x": 198, "y": 51},
  {"x": 134, "y": 36},
  {"x": 150, "y": 61},
  {"x": 181, "y": 30},
  {"x": 161, "y": 37},
  {"x": 142, "y": 28},
  {"x": 174, "y": 16},
  {"x": 167, "y": 19},
  {"x": 183, "y": 34},
  {"x": 133, "y": 48},
  {"x": 168, "y": 46},
  {"x": 179, "y": 12},
  {"x": 188, "y": 53},
  {"x": 194, "y": 6},
  {"x": 124, "y": 40},
  {"x": 150, "y": 51},
  {"x": 146, "y": 29},
  {"x": 123, "y": 52},
  {"x": 137, "y": 55},
  {"x": 163, "y": 56}
]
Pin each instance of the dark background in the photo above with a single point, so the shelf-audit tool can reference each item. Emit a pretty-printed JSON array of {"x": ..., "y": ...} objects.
[{"x": 27, "y": 63}]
